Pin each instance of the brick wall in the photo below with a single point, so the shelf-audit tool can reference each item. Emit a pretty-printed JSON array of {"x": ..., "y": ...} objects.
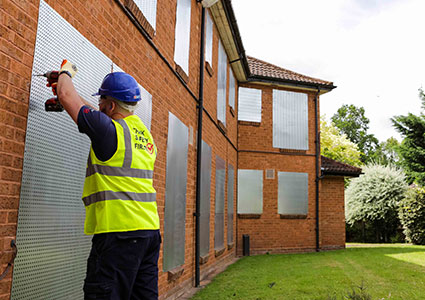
[
  {"x": 17, "y": 39},
  {"x": 105, "y": 24},
  {"x": 332, "y": 212},
  {"x": 269, "y": 232}
]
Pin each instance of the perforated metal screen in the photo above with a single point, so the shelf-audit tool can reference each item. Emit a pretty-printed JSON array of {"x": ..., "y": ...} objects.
[
  {"x": 220, "y": 178},
  {"x": 250, "y": 191},
  {"x": 293, "y": 193},
  {"x": 175, "y": 193},
  {"x": 230, "y": 203},
  {"x": 53, "y": 250},
  {"x": 182, "y": 37},
  {"x": 205, "y": 199},
  {"x": 148, "y": 8},
  {"x": 221, "y": 83},
  {"x": 249, "y": 105}
]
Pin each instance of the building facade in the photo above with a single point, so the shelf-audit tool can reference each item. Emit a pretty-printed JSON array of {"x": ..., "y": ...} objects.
[{"x": 244, "y": 139}]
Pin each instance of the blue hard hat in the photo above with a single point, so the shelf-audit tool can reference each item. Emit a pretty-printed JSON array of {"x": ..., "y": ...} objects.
[{"x": 120, "y": 86}]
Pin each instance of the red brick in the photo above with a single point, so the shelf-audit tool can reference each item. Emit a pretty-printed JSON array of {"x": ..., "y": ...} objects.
[
  {"x": 12, "y": 217},
  {"x": 3, "y": 217}
]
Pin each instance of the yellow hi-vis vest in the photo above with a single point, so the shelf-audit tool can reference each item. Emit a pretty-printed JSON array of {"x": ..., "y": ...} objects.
[{"x": 118, "y": 193}]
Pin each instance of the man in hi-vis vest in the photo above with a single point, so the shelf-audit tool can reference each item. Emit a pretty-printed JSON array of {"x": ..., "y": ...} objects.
[{"x": 119, "y": 197}]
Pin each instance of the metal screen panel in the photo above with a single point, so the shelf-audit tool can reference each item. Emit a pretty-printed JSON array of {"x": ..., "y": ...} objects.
[
  {"x": 148, "y": 8},
  {"x": 232, "y": 89},
  {"x": 292, "y": 193},
  {"x": 290, "y": 120},
  {"x": 220, "y": 178},
  {"x": 230, "y": 203},
  {"x": 182, "y": 38},
  {"x": 250, "y": 191},
  {"x": 208, "y": 38},
  {"x": 175, "y": 193},
  {"x": 221, "y": 83},
  {"x": 53, "y": 250},
  {"x": 249, "y": 106},
  {"x": 205, "y": 199}
]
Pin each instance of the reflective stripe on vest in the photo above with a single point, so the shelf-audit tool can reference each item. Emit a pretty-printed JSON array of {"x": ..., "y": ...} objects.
[{"x": 117, "y": 196}]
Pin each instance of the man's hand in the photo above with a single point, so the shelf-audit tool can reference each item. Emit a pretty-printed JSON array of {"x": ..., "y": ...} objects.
[{"x": 68, "y": 68}]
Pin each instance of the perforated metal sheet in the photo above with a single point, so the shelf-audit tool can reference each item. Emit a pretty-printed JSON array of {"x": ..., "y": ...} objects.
[
  {"x": 220, "y": 178},
  {"x": 182, "y": 37},
  {"x": 230, "y": 203},
  {"x": 290, "y": 120},
  {"x": 249, "y": 105},
  {"x": 293, "y": 193},
  {"x": 53, "y": 250},
  {"x": 221, "y": 83},
  {"x": 148, "y": 8},
  {"x": 175, "y": 193},
  {"x": 250, "y": 191},
  {"x": 232, "y": 89},
  {"x": 205, "y": 199},
  {"x": 208, "y": 38}
]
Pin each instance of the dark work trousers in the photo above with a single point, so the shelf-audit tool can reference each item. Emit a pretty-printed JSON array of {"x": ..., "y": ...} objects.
[{"x": 122, "y": 266}]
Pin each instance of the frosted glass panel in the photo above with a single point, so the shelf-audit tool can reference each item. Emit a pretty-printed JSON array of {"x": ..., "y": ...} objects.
[
  {"x": 182, "y": 38},
  {"x": 205, "y": 199},
  {"x": 220, "y": 178},
  {"x": 175, "y": 193},
  {"x": 250, "y": 191},
  {"x": 290, "y": 120},
  {"x": 230, "y": 203},
  {"x": 249, "y": 106},
  {"x": 293, "y": 193}
]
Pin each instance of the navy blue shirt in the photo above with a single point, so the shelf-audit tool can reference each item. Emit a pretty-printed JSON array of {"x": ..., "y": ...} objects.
[{"x": 101, "y": 131}]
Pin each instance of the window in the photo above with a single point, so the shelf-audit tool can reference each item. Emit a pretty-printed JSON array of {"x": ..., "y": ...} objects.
[
  {"x": 250, "y": 191},
  {"x": 249, "y": 107},
  {"x": 230, "y": 204},
  {"x": 220, "y": 178},
  {"x": 221, "y": 83},
  {"x": 290, "y": 120},
  {"x": 182, "y": 39},
  {"x": 175, "y": 194},
  {"x": 148, "y": 8},
  {"x": 208, "y": 39},
  {"x": 292, "y": 193},
  {"x": 205, "y": 199},
  {"x": 232, "y": 89}
]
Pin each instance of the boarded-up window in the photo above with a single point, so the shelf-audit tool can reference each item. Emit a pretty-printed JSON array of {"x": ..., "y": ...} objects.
[
  {"x": 220, "y": 178},
  {"x": 250, "y": 191},
  {"x": 205, "y": 199},
  {"x": 290, "y": 120},
  {"x": 208, "y": 39},
  {"x": 221, "y": 83},
  {"x": 230, "y": 203},
  {"x": 148, "y": 8},
  {"x": 175, "y": 193},
  {"x": 292, "y": 193},
  {"x": 182, "y": 38},
  {"x": 232, "y": 89},
  {"x": 249, "y": 106}
]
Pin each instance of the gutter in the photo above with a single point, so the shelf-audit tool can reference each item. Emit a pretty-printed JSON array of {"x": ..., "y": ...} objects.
[{"x": 297, "y": 84}]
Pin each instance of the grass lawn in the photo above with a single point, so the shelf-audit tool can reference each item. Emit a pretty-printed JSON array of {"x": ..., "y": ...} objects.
[{"x": 390, "y": 271}]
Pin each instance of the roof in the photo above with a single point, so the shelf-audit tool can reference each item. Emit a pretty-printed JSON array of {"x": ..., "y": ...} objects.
[
  {"x": 261, "y": 68},
  {"x": 333, "y": 167}
]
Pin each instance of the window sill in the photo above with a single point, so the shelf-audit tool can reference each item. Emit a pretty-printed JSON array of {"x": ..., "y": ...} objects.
[
  {"x": 230, "y": 246},
  {"x": 138, "y": 15},
  {"x": 281, "y": 150},
  {"x": 175, "y": 273},
  {"x": 219, "y": 252},
  {"x": 232, "y": 111},
  {"x": 204, "y": 259},
  {"x": 221, "y": 127},
  {"x": 293, "y": 216},
  {"x": 209, "y": 69},
  {"x": 249, "y": 216},
  {"x": 248, "y": 123},
  {"x": 182, "y": 73}
]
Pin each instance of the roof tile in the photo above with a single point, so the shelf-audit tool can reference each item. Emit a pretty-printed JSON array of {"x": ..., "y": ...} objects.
[{"x": 333, "y": 167}]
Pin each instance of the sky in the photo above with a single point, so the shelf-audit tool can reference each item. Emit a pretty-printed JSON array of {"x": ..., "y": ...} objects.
[{"x": 372, "y": 50}]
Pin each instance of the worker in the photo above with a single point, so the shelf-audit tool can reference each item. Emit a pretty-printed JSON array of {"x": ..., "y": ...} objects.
[{"x": 118, "y": 194}]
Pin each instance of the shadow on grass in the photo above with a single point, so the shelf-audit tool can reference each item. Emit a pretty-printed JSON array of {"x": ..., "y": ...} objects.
[{"x": 387, "y": 272}]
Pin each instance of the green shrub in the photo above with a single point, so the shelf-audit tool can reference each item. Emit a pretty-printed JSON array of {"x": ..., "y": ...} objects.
[{"x": 412, "y": 215}]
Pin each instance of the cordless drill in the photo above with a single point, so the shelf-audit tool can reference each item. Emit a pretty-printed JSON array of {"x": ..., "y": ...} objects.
[{"x": 52, "y": 104}]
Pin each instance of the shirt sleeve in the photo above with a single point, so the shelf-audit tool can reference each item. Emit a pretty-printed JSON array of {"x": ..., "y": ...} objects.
[{"x": 101, "y": 131}]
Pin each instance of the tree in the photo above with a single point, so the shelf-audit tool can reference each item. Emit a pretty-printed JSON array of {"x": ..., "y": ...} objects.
[
  {"x": 374, "y": 198},
  {"x": 412, "y": 215},
  {"x": 337, "y": 146},
  {"x": 387, "y": 153},
  {"x": 412, "y": 148},
  {"x": 351, "y": 120}
]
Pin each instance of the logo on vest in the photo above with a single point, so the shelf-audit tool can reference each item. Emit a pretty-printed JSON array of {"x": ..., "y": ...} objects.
[
  {"x": 149, "y": 147},
  {"x": 142, "y": 142}
]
